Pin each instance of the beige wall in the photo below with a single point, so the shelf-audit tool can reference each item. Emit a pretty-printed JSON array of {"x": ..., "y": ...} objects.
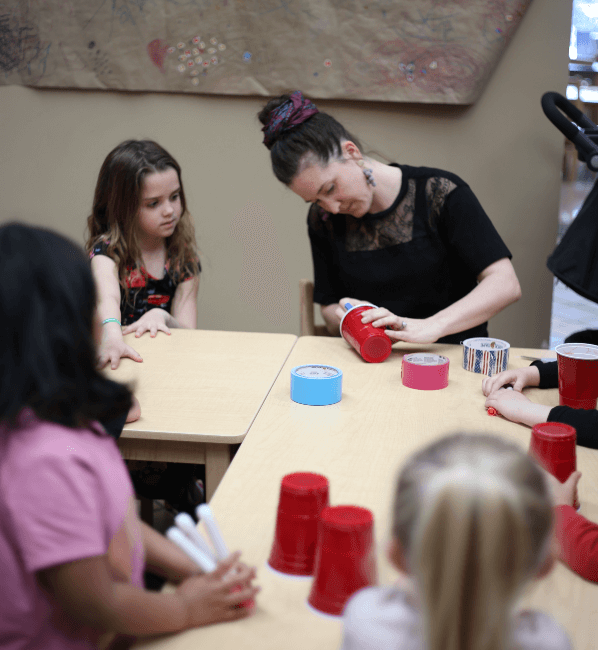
[{"x": 251, "y": 230}]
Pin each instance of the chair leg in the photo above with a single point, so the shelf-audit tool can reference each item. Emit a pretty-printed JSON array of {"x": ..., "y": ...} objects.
[
  {"x": 147, "y": 510},
  {"x": 306, "y": 307}
]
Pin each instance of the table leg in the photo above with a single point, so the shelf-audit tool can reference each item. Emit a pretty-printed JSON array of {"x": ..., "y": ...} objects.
[{"x": 217, "y": 462}]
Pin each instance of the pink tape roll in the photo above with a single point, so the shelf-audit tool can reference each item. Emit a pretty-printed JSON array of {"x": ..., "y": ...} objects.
[{"x": 425, "y": 371}]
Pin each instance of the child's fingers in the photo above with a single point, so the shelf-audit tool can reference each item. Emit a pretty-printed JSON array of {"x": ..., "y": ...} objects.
[
  {"x": 573, "y": 480},
  {"x": 132, "y": 354},
  {"x": 239, "y": 596},
  {"x": 519, "y": 385},
  {"x": 238, "y": 576},
  {"x": 225, "y": 565}
]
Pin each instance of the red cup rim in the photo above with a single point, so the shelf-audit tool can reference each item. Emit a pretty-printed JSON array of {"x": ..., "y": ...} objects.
[
  {"x": 347, "y": 517},
  {"x": 304, "y": 482},
  {"x": 556, "y": 431},
  {"x": 562, "y": 352},
  {"x": 369, "y": 305}
]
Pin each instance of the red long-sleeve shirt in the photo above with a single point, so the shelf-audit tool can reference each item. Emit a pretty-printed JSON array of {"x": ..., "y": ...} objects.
[{"x": 578, "y": 539}]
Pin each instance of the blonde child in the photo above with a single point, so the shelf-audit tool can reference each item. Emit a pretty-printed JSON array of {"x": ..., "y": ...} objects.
[
  {"x": 72, "y": 549},
  {"x": 142, "y": 245},
  {"x": 472, "y": 525}
]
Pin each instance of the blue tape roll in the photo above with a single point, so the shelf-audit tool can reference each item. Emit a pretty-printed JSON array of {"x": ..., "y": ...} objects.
[{"x": 316, "y": 385}]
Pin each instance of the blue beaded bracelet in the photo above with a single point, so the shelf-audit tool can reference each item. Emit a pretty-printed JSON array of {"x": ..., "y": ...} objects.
[{"x": 110, "y": 320}]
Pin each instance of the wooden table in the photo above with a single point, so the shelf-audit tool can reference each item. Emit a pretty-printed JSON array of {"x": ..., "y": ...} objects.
[
  {"x": 359, "y": 444},
  {"x": 199, "y": 391}
]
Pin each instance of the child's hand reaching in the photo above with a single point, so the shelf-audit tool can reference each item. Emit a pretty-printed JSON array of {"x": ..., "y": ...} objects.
[
  {"x": 564, "y": 494},
  {"x": 517, "y": 407},
  {"x": 152, "y": 321},
  {"x": 519, "y": 379},
  {"x": 216, "y": 597}
]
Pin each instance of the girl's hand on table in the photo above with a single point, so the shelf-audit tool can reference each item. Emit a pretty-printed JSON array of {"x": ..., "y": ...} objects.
[
  {"x": 152, "y": 321},
  {"x": 518, "y": 379},
  {"x": 112, "y": 349},
  {"x": 134, "y": 412},
  {"x": 217, "y": 596},
  {"x": 517, "y": 407}
]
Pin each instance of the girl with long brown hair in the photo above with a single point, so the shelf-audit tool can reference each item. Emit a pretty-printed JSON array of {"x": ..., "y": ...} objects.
[
  {"x": 142, "y": 244},
  {"x": 145, "y": 264}
]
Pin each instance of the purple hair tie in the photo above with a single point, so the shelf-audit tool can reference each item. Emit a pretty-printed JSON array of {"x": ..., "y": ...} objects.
[{"x": 291, "y": 113}]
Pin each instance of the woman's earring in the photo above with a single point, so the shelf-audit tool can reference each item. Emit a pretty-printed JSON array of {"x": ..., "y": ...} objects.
[
  {"x": 368, "y": 173},
  {"x": 369, "y": 176}
]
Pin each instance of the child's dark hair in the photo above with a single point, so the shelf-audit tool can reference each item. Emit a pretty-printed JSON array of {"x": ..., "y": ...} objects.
[
  {"x": 48, "y": 356},
  {"x": 316, "y": 140}
]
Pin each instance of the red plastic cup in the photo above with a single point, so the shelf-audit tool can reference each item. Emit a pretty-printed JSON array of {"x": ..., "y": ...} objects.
[
  {"x": 578, "y": 375},
  {"x": 303, "y": 496},
  {"x": 371, "y": 342},
  {"x": 345, "y": 559},
  {"x": 553, "y": 446}
]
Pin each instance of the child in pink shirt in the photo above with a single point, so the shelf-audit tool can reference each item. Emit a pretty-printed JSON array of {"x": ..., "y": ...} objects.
[{"x": 72, "y": 549}]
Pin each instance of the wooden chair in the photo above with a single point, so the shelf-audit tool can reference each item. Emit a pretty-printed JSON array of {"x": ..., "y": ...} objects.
[{"x": 306, "y": 310}]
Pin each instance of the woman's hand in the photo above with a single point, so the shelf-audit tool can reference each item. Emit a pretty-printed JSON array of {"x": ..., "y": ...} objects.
[
  {"x": 341, "y": 310},
  {"x": 517, "y": 407},
  {"x": 411, "y": 330},
  {"x": 519, "y": 379},
  {"x": 112, "y": 348},
  {"x": 152, "y": 321},
  {"x": 217, "y": 596}
]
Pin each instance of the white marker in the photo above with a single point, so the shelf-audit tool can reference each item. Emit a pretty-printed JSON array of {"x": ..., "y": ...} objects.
[
  {"x": 204, "y": 513},
  {"x": 185, "y": 522},
  {"x": 205, "y": 563}
]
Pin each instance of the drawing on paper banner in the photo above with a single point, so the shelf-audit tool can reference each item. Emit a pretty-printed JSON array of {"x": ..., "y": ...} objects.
[{"x": 383, "y": 50}]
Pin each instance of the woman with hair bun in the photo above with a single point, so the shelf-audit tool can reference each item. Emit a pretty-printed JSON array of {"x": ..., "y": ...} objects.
[{"x": 413, "y": 240}]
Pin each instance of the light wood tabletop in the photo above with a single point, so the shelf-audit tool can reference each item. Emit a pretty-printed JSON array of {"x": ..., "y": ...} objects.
[
  {"x": 199, "y": 392},
  {"x": 359, "y": 444}
]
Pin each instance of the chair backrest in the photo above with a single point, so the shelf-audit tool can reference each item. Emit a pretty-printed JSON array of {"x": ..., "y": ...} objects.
[{"x": 306, "y": 311}]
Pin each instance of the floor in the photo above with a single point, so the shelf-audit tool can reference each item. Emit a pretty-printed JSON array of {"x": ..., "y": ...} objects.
[{"x": 570, "y": 312}]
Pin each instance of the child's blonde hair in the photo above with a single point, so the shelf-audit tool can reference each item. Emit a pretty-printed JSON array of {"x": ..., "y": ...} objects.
[{"x": 473, "y": 516}]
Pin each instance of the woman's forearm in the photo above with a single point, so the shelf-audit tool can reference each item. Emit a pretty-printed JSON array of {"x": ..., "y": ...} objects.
[
  {"x": 493, "y": 293},
  {"x": 331, "y": 318}
]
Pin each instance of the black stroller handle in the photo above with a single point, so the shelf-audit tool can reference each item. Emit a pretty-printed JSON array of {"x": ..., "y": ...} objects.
[
  {"x": 572, "y": 129},
  {"x": 550, "y": 102}
]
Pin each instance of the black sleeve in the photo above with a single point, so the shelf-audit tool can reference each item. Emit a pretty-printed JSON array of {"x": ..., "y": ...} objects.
[
  {"x": 469, "y": 231},
  {"x": 114, "y": 427},
  {"x": 327, "y": 289},
  {"x": 584, "y": 421},
  {"x": 549, "y": 373}
]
